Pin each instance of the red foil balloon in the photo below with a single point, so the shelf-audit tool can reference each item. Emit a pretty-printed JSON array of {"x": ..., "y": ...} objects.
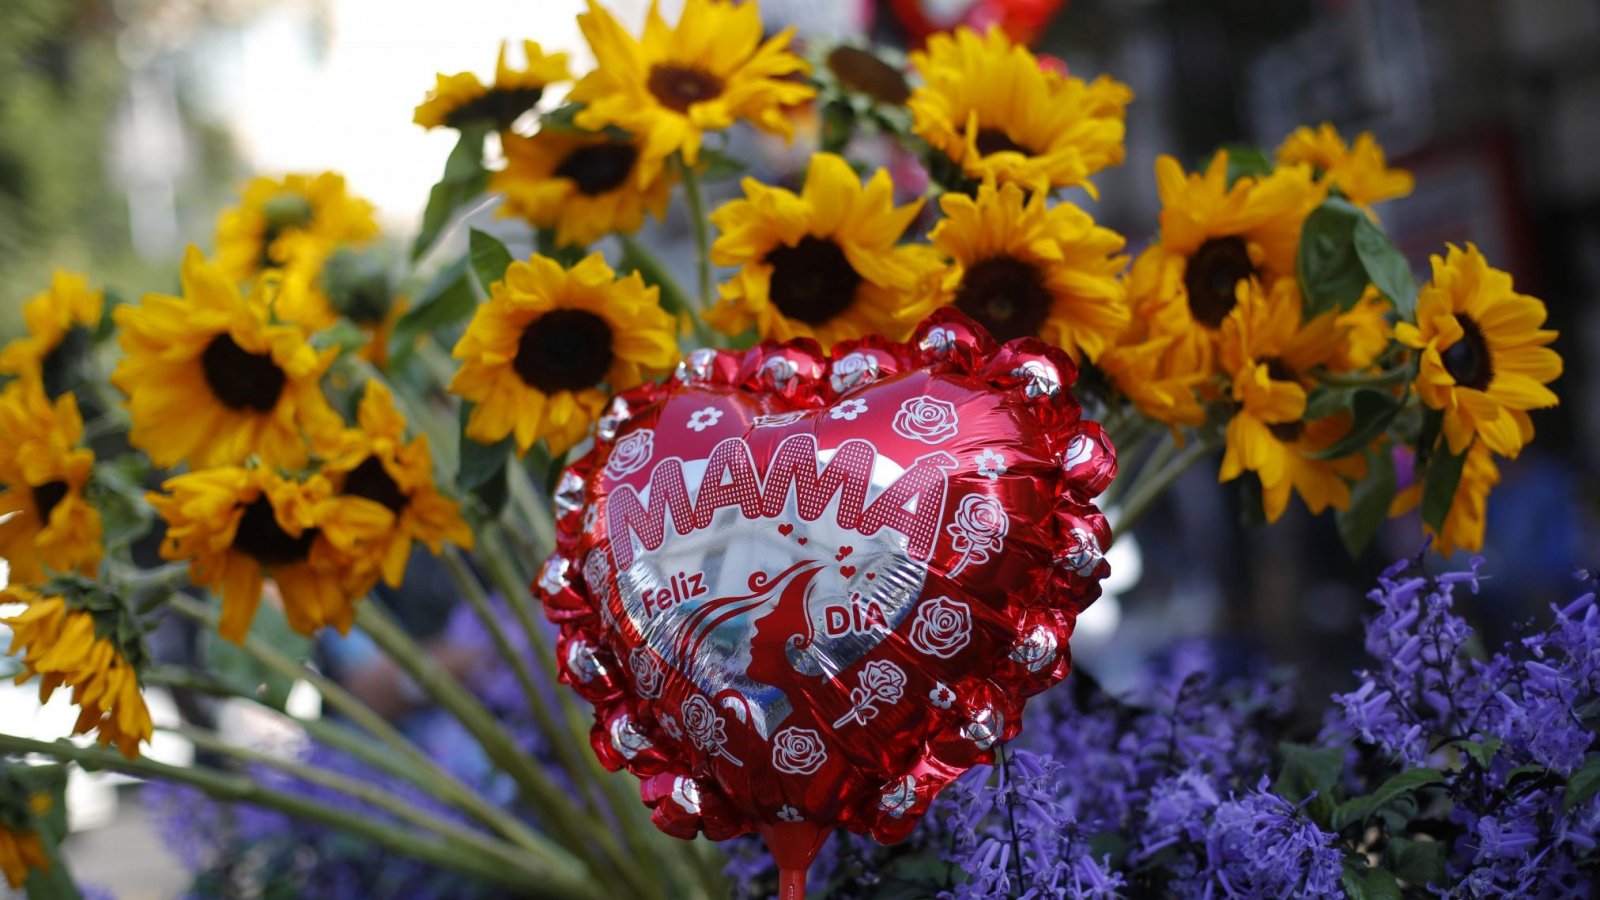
[{"x": 805, "y": 592}]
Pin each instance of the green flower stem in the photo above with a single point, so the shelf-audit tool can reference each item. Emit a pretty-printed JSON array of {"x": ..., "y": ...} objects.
[
  {"x": 526, "y": 873},
  {"x": 1153, "y": 482},
  {"x": 695, "y": 200},
  {"x": 673, "y": 299},
  {"x": 590, "y": 839},
  {"x": 467, "y": 582},
  {"x": 623, "y": 800},
  {"x": 535, "y": 507},
  {"x": 442, "y": 784},
  {"x": 1130, "y": 450},
  {"x": 505, "y": 854}
]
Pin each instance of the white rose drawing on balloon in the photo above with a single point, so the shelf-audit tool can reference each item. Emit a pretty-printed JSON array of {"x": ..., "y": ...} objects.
[
  {"x": 881, "y": 681},
  {"x": 631, "y": 453},
  {"x": 647, "y": 672},
  {"x": 942, "y": 627},
  {"x": 798, "y": 751},
  {"x": 926, "y": 419},
  {"x": 706, "y": 729},
  {"x": 978, "y": 529}
]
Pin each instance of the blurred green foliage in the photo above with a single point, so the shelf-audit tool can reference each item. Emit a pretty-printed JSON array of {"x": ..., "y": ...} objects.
[{"x": 61, "y": 83}]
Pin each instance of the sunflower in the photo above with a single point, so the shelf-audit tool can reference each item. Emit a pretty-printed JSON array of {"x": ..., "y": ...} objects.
[
  {"x": 375, "y": 461},
  {"x": 1213, "y": 236},
  {"x": 674, "y": 83},
  {"x": 461, "y": 98},
  {"x": 239, "y": 526},
  {"x": 1268, "y": 352},
  {"x": 534, "y": 355},
  {"x": 821, "y": 264},
  {"x": 300, "y": 218},
  {"x": 46, "y": 522},
  {"x": 1367, "y": 333},
  {"x": 1282, "y": 456},
  {"x": 67, "y": 646},
  {"x": 1023, "y": 268},
  {"x": 352, "y": 284},
  {"x": 59, "y": 321},
  {"x": 989, "y": 107},
  {"x": 1358, "y": 171},
  {"x": 20, "y": 846},
  {"x": 212, "y": 380},
  {"x": 1152, "y": 374},
  {"x": 1483, "y": 362},
  {"x": 1469, "y": 508},
  {"x": 585, "y": 186}
]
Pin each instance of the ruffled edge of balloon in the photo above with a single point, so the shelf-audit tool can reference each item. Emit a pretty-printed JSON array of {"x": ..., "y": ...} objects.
[{"x": 805, "y": 377}]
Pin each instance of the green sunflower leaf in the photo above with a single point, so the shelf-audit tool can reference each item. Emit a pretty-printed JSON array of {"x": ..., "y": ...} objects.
[
  {"x": 464, "y": 178},
  {"x": 1329, "y": 267},
  {"x": 1357, "y": 809},
  {"x": 1415, "y": 862},
  {"x": 1244, "y": 161},
  {"x": 446, "y": 300},
  {"x": 1387, "y": 267},
  {"x": 1439, "y": 485},
  {"x": 482, "y": 471},
  {"x": 1369, "y": 502},
  {"x": 717, "y": 165},
  {"x": 490, "y": 258},
  {"x": 1373, "y": 411},
  {"x": 1363, "y": 882},
  {"x": 1310, "y": 770},
  {"x": 1583, "y": 784}
]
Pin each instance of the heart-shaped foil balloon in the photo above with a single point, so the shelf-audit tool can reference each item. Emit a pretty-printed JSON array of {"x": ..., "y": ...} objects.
[{"x": 805, "y": 592}]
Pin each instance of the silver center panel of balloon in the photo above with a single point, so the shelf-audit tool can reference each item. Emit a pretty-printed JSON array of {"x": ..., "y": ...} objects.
[{"x": 732, "y": 549}]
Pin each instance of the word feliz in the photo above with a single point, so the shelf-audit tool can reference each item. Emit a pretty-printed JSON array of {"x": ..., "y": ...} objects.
[{"x": 912, "y": 505}]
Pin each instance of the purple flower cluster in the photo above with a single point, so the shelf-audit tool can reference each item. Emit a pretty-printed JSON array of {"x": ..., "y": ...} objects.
[{"x": 1443, "y": 771}]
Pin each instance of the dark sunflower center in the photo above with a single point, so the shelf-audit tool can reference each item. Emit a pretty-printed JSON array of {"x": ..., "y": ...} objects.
[
  {"x": 864, "y": 73},
  {"x": 680, "y": 87},
  {"x": 812, "y": 281},
  {"x": 260, "y": 537},
  {"x": 502, "y": 106},
  {"x": 564, "y": 350},
  {"x": 46, "y": 496},
  {"x": 598, "y": 168},
  {"x": 372, "y": 481},
  {"x": 1278, "y": 370},
  {"x": 60, "y": 370},
  {"x": 1006, "y": 296},
  {"x": 995, "y": 140},
  {"x": 1468, "y": 360},
  {"x": 1211, "y": 276},
  {"x": 1288, "y": 432},
  {"x": 240, "y": 379}
]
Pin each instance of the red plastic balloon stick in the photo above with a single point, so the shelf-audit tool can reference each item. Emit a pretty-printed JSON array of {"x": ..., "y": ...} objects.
[{"x": 793, "y": 845}]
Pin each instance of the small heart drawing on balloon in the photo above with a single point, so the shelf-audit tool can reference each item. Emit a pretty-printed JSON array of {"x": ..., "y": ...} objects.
[
  {"x": 786, "y": 529},
  {"x": 871, "y": 575},
  {"x": 802, "y": 540},
  {"x": 844, "y": 551},
  {"x": 847, "y": 571}
]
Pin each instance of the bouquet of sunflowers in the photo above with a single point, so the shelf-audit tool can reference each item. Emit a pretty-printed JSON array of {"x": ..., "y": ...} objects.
[{"x": 313, "y": 404}]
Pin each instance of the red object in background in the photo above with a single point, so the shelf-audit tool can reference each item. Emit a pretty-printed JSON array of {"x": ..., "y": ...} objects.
[
  {"x": 1023, "y": 20},
  {"x": 805, "y": 591}
]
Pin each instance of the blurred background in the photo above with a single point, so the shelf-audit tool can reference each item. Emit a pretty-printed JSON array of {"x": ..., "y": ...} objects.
[{"x": 127, "y": 125}]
